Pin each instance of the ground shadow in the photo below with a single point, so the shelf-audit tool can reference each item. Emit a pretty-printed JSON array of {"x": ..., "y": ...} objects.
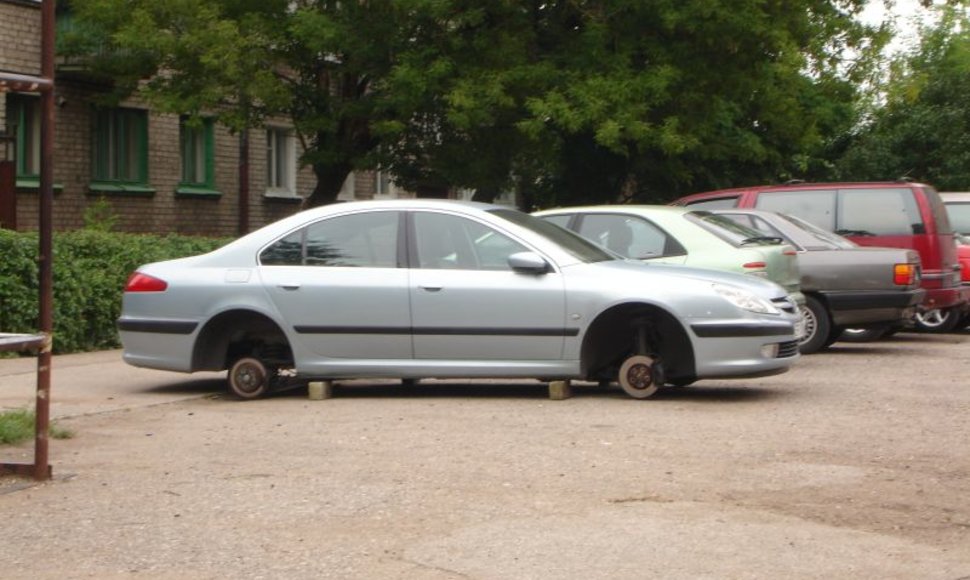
[{"x": 531, "y": 389}]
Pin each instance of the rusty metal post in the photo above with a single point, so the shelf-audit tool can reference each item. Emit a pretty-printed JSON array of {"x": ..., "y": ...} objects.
[
  {"x": 42, "y": 343},
  {"x": 42, "y": 468},
  {"x": 243, "y": 224}
]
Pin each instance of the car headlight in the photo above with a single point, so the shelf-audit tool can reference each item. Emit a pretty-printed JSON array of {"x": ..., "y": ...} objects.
[{"x": 745, "y": 300}]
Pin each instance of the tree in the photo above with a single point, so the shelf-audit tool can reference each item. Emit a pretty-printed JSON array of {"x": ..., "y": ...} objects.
[
  {"x": 566, "y": 100},
  {"x": 922, "y": 130}
]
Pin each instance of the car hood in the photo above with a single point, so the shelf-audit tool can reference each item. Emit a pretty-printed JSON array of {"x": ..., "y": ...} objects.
[{"x": 674, "y": 273}]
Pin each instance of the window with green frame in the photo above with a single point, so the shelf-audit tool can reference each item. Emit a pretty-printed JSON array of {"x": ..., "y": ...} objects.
[
  {"x": 119, "y": 150},
  {"x": 23, "y": 111},
  {"x": 197, "y": 151}
]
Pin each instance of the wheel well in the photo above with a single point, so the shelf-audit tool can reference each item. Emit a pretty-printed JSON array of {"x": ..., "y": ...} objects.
[
  {"x": 238, "y": 333},
  {"x": 612, "y": 337}
]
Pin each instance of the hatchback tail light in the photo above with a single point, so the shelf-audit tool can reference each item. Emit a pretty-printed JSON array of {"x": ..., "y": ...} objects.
[
  {"x": 904, "y": 274},
  {"x": 139, "y": 282}
]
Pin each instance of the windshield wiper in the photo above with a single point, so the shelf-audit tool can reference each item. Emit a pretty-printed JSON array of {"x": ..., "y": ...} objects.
[
  {"x": 762, "y": 240},
  {"x": 854, "y": 233}
]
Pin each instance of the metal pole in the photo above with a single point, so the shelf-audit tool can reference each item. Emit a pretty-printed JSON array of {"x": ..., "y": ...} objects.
[
  {"x": 243, "y": 224},
  {"x": 42, "y": 470}
]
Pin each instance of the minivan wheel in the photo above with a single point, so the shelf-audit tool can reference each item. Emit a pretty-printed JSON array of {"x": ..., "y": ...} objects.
[
  {"x": 641, "y": 376},
  {"x": 936, "y": 320},
  {"x": 817, "y": 326},
  {"x": 249, "y": 378}
]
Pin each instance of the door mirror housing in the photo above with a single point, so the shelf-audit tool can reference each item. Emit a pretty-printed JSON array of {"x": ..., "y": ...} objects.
[{"x": 529, "y": 263}]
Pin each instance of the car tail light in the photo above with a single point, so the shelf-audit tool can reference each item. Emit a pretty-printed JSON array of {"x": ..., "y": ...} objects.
[
  {"x": 139, "y": 282},
  {"x": 755, "y": 265},
  {"x": 904, "y": 274}
]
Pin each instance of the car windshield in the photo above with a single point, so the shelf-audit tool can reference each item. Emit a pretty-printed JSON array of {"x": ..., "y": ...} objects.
[
  {"x": 577, "y": 246},
  {"x": 731, "y": 231},
  {"x": 823, "y": 235}
]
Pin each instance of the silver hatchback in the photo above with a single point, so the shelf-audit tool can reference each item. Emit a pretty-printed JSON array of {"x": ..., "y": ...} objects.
[{"x": 427, "y": 288}]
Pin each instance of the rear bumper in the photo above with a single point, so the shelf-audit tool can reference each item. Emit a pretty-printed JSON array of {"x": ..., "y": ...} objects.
[
  {"x": 957, "y": 296},
  {"x": 873, "y": 307}
]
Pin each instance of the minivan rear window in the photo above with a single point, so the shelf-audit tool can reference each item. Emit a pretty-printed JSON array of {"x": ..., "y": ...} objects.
[{"x": 879, "y": 212}]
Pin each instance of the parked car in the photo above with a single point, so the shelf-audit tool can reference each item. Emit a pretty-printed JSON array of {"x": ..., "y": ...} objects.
[
  {"x": 656, "y": 233},
  {"x": 898, "y": 214},
  {"x": 957, "y": 205},
  {"x": 426, "y": 288},
  {"x": 845, "y": 285}
]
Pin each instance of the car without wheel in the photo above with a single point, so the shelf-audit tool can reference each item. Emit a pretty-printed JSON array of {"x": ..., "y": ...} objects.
[
  {"x": 846, "y": 286},
  {"x": 416, "y": 289}
]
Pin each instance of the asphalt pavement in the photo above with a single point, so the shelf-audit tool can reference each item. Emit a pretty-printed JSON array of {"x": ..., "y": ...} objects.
[{"x": 852, "y": 465}]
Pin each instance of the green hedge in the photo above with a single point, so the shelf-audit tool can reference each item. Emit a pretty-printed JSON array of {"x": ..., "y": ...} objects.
[{"x": 90, "y": 271}]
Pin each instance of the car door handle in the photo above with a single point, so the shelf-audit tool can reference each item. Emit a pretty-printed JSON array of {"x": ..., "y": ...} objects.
[
  {"x": 431, "y": 288},
  {"x": 290, "y": 285}
]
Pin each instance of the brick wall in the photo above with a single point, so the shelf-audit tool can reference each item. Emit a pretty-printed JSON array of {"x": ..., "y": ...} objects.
[
  {"x": 163, "y": 211},
  {"x": 20, "y": 34}
]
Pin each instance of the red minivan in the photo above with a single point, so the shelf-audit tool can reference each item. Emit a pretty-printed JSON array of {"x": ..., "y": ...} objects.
[{"x": 897, "y": 214}]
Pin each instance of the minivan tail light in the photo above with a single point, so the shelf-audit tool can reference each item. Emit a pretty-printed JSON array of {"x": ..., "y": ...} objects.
[
  {"x": 139, "y": 282},
  {"x": 904, "y": 274}
]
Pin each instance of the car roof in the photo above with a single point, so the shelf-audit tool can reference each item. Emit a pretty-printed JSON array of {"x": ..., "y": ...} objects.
[
  {"x": 955, "y": 196},
  {"x": 805, "y": 185},
  {"x": 618, "y": 208}
]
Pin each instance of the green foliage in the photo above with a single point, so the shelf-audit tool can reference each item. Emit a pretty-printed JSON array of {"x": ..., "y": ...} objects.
[
  {"x": 90, "y": 271},
  {"x": 100, "y": 216},
  {"x": 18, "y": 425},
  {"x": 565, "y": 99},
  {"x": 922, "y": 131}
]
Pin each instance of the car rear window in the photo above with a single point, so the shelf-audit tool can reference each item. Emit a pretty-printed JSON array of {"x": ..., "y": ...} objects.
[
  {"x": 731, "y": 231},
  {"x": 879, "y": 212},
  {"x": 959, "y": 214}
]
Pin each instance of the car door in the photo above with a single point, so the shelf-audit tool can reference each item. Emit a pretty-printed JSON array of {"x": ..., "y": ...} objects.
[
  {"x": 467, "y": 303},
  {"x": 341, "y": 285}
]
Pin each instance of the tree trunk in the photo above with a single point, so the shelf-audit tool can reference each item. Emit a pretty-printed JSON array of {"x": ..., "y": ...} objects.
[
  {"x": 433, "y": 191},
  {"x": 330, "y": 179}
]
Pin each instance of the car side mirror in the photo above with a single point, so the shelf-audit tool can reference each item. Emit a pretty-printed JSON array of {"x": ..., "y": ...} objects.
[{"x": 528, "y": 262}]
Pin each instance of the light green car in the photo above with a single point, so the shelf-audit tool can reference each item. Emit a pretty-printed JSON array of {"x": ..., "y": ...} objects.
[{"x": 678, "y": 235}]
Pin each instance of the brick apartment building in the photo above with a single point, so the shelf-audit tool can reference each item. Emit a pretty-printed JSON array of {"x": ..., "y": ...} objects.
[{"x": 156, "y": 173}]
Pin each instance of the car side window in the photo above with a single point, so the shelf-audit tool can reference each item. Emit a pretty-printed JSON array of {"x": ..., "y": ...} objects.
[
  {"x": 445, "y": 241},
  {"x": 631, "y": 237},
  {"x": 816, "y": 206},
  {"x": 560, "y": 220},
  {"x": 880, "y": 212},
  {"x": 363, "y": 240}
]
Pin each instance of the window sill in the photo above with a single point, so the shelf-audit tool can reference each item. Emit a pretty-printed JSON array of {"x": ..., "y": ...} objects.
[
  {"x": 136, "y": 189},
  {"x": 32, "y": 185},
  {"x": 197, "y": 192},
  {"x": 282, "y": 197}
]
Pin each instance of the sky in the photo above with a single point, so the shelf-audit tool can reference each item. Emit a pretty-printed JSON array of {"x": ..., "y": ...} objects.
[{"x": 908, "y": 14}]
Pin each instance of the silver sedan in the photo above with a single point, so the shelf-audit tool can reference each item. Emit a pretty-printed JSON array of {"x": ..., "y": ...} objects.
[{"x": 424, "y": 288}]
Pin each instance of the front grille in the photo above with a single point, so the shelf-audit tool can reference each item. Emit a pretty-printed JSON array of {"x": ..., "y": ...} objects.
[
  {"x": 787, "y": 349},
  {"x": 785, "y": 304}
]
